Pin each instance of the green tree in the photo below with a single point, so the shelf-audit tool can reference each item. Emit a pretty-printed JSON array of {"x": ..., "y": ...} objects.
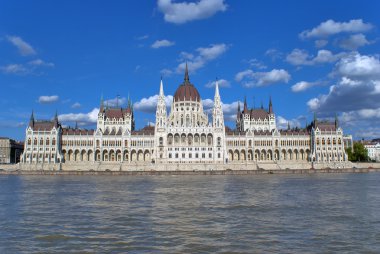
[{"x": 360, "y": 153}]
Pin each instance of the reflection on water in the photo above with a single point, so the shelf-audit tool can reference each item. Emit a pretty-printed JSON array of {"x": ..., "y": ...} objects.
[{"x": 181, "y": 214}]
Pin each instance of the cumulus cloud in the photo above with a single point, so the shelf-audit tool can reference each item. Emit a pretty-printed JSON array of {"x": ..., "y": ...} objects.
[
  {"x": 256, "y": 64},
  {"x": 23, "y": 47},
  {"x": 166, "y": 72},
  {"x": 330, "y": 27},
  {"x": 358, "y": 86},
  {"x": 358, "y": 67},
  {"x": 39, "y": 62},
  {"x": 81, "y": 118},
  {"x": 149, "y": 105},
  {"x": 162, "y": 43},
  {"x": 46, "y": 99},
  {"x": 116, "y": 102},
  {"x": 301, "y": 57},
  {"x": 180, "y": 13},
  {"x": 201, "y": 57},
  {"x": 14, "y": 69},
  {"x": 353, "y": 42},
  {"x": 76, "y": 105},
  {"x": 221, "y": 83},
  {"x": 250, "y": 78},
  {"x": 298, "y": 122},
  {"x": 303, "y": 86},
  {"x": 274, "y": 54},
  {"x": 320, "y": 43}
]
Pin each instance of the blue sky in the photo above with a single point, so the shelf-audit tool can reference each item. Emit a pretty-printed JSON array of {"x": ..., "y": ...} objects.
[{"x": 310, "y": 56}]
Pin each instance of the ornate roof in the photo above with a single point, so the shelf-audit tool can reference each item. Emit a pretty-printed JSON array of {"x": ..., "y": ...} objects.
[
  {"x": 147, "y": 130},
  {"x": 186, "y": 91},
  {"x": 116, "y": 112},
  {"x": 71, "y": 131},
  {"x": 259, "y": 113}
]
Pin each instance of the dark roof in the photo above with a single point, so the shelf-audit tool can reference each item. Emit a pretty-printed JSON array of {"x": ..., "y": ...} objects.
[
  {"x": 326, "y": 126},
  {"x": 70, "y": 131},
  {"x": 259, "y": 113},
  {"x": 295, "y": 132},
  {"x": 147, "y": 130},
  {"x": 43, "y": 125},
  {"x": 116, "y": 112}
]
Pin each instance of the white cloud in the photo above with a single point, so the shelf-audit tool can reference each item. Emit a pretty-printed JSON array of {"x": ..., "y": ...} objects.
[
  {"x": 201, "y": 58},
  {"x": 39, "y": 62},
  {"x": 14, "y": 69},
  {"x": 23, "y": 47},
  {"x": 46, "y": 99},
  {"x": 162, "y": 43},
  {"x": 221, "y": 83},
  {"x": 81, "y": 118},
  {"x": 358, "y": 86},
  {"x": 149, "y": 105},
  {"x": 143, "y": 37},
  {"x": 166, "y": 72},
  {"x": 302, "y": 57},
  {"x": 180, "y": 13},
  {"x": 298, "y": 122},
  {"x": 356, "y": 66},
  {"x": 76, "y": 105},
  {"x": 251, "y": 78},
  {"x": 353, "y": 42},
  {"x": 274, "y": 54},
  {"x": 330, "y": 27},
  {"x": 116, "y": 102},
  {"x": 320, "y": 43},
  {"x": 302, "y": 86},
  {"x": 256, "y": 64}
]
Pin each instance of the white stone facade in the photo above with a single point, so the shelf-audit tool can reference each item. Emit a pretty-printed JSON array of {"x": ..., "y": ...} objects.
[
  {"x": 184, "y": 136},
  {"x": 373, "y": 151}
]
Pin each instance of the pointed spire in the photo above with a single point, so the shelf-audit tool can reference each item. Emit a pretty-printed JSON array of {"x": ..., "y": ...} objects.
[
  {"x": 76, "y": 125},
  {"x": 270, "y": 105},
  {"x": 245, "y": 105},
  {"x": 238, "y": 111},
  {"x": 31, "y": 121},
  {"x": 101, "y": 103},
  {"x": 336, "y": 121},
  {"x": 56, "y": 119},
  {"x": 186, "y": 79},
  {"x": 315, "y": 119},
  {"x": 262, "y": 106},
  {"x": 161, "y": 88},
  {"x": 216, "y": 88},
  {"x": 288, "y": 125}
]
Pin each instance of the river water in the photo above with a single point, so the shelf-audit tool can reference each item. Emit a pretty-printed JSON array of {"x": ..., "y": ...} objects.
[{"x": 316, "y": 213}]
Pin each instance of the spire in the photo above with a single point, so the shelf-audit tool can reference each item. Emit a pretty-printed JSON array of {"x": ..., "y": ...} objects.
[
  {"x": 76, "y": 125},
  {"x": 56, "y": 119},
  {"x": 216, "y": 88},
  {"x": 238, "y": 111},
  {"x": 336, "y": 121},
  {"x": 101, "y": 103},
  {"x": 31, "y": 121},
  {"x": 288, "y": 126},
  {"x": 315, "y": 119},
  {"x": 161, "y": 88},
  {"x": 186, "y": 79},
  {"x": 245, "y": 105},
  {"x": 262, "y": 106},
  {"x": 270, "y": 105}
]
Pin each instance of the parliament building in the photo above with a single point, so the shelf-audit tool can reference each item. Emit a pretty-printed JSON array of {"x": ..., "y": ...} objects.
[{"x": 183, "y": 136}]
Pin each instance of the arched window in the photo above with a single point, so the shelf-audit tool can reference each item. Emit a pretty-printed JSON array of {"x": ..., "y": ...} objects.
[
  {"x": 161, "y": 141},
  {"x": 41, "y": 142},
  {"x": 47, "y": 141},
  {"x": 220, "y": 141},
  {"x": 53, "y": 142},
  {"x": 29, "y": 141}
]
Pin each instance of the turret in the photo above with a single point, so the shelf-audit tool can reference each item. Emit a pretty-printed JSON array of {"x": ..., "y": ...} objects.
[
  {"x": 245, "y": 110},
  {"x": 56, "y": 119},
  {"x": 270, "y": 105},
  {"x": 31, "y": 121},
  {"x": 336, "y": 121},
  {"x": 218, "y": 120},
  {"x": 101, "y": 104}
]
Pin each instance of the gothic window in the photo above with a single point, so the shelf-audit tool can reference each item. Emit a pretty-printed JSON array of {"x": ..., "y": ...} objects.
[
  {"x": 29, "y": 141},
  {"x": 161, "y": 141},
  {"x": 220, "y": 141},
  {"x": 41, "y": 142},
  {"x": 47, "y": 141}
]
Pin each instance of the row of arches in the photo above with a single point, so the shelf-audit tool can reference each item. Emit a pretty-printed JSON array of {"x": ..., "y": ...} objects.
[
  {"x": 42, "y": 141},
  {"x": 268, "y": 155},
  {"x": 108, "y": 155},
  {"x": 190, "y": 139}
]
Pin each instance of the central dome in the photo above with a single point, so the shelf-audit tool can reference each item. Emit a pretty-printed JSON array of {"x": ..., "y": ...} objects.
[{"x": 187, "y": 91}]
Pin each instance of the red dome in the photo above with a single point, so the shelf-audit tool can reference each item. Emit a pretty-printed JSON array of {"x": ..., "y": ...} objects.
[{"x": 187, "y": 91}]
